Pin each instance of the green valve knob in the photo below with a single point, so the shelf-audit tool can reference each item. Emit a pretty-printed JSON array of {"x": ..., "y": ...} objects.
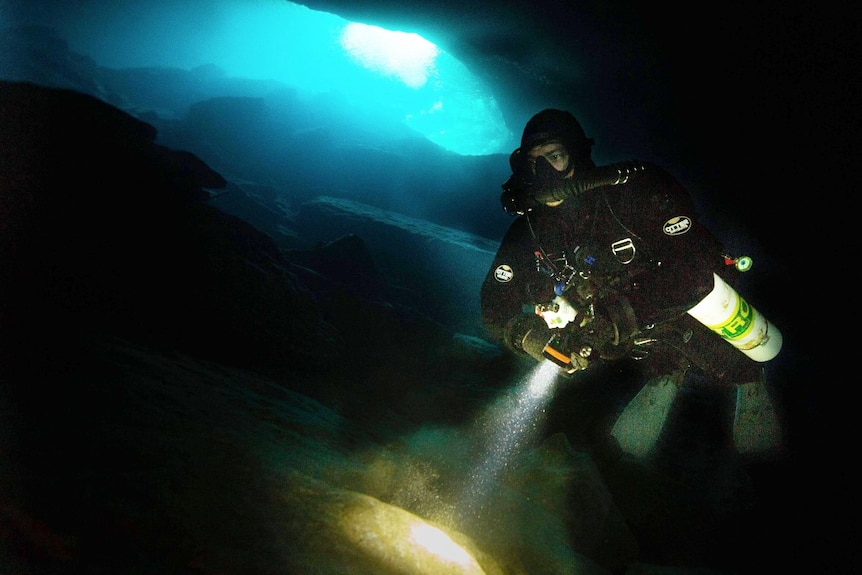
[{"x": 744, "y": 263}]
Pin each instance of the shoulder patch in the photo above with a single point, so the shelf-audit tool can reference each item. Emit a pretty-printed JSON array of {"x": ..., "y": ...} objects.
[
  {"x": 503, "y": 273},
  {"x": 677, "y": 226}
]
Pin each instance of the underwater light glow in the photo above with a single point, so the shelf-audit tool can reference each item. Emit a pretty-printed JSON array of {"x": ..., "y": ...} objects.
[
  {"x": 540, "y": 382},
  {"x": 399, "y": 541},
  {"x": 440, "y": 544},
  {"x": 410, "y": 57},
  {"x": 513, "y": 423}
]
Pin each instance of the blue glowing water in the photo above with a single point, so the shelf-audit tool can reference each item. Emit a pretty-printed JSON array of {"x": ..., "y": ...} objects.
[{"x": 400, "y": 74}]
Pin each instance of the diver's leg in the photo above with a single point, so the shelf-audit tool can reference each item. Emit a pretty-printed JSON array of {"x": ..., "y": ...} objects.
[
  {"x": 756, "y": 426},
  {"x": 638, "y": 427}
]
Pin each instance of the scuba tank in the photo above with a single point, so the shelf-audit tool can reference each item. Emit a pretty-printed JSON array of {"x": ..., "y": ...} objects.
[{"x": 726, "y": 313}]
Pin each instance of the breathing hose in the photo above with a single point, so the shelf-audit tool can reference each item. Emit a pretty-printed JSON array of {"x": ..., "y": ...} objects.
[
  {"x": 610, "y": 175},
  {"x": 519, "y": 196}
]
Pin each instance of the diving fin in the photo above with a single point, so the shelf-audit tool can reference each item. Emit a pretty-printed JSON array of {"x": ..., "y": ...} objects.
[
  {"x": 756, "y": 428},
  {"x": 638, "y": 427}
]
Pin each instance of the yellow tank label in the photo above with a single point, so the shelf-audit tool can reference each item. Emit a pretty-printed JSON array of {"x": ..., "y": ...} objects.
[{"x": 738, "y": 324}]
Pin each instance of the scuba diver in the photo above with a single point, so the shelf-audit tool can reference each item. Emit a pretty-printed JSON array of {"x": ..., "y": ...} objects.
[{"x": 605, "y": 263}]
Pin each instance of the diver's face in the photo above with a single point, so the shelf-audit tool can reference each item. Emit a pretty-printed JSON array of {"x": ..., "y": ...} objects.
[
  {"x": 557, "y": 156},
  {"x": 555, "y": 153}
]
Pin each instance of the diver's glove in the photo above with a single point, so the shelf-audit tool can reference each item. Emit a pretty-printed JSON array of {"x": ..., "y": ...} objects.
[
  {"x": 567, "y": 350},
  {"x": 604, "y": 333},
  {"x": 554, "y": 332},
  {"x": 527, "y": 334},
  {"x": 573, "y": 338}
]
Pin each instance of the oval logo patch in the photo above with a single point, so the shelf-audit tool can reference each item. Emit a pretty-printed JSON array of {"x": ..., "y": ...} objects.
[
  {"x": 503, "y": 273},
  {"x": 677, "y": 226}
]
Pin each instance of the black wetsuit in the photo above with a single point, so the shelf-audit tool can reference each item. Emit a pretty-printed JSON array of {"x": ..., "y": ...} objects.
[{"x": 639, "y": 243}]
